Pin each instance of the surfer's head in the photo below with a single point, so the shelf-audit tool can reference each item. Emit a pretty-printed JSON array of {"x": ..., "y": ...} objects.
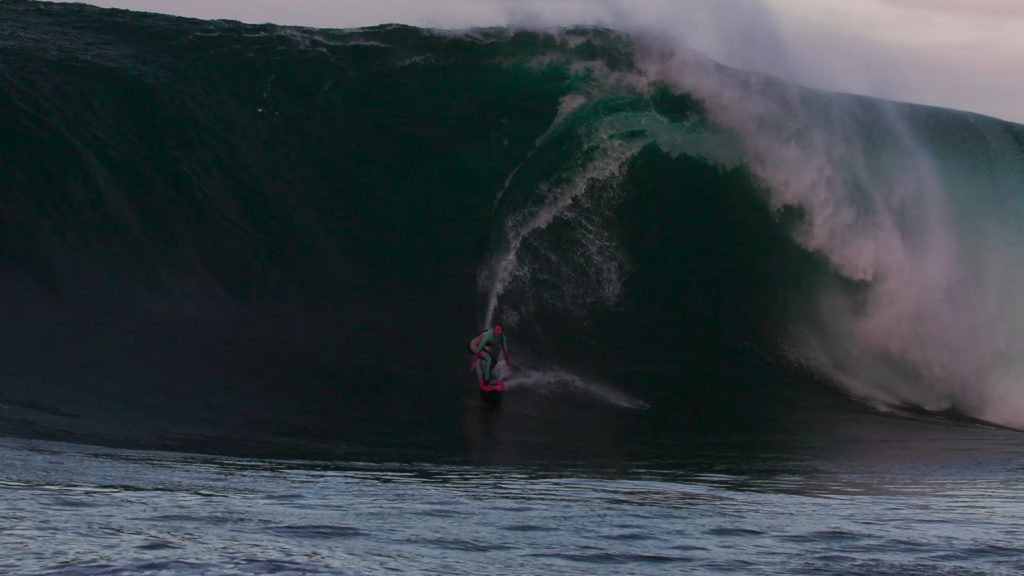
[{"x": 498, "y": 330}]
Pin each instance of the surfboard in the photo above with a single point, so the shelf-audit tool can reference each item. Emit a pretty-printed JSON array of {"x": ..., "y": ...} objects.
[
  {"x": 496, "y": 385},
  {"x": 492, "y": 393}
]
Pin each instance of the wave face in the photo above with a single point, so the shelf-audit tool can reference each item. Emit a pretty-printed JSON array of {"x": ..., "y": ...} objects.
[{"x": 210, "y": 225}]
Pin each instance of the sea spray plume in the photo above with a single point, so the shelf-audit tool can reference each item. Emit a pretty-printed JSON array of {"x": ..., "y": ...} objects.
[
  {"x": 564, "y": 195},
  {"x": 597, "y": 250},
  {"x": 904, "y": 313}
]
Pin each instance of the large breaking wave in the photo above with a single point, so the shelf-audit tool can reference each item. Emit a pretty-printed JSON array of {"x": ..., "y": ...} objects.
[{"x": 292, "y": 230}]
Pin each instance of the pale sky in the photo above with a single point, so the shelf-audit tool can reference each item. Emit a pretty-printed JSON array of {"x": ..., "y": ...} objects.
[{"x": 965, "y": 54}]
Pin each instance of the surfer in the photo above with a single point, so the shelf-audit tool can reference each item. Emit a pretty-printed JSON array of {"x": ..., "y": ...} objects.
[{"x": 483, "y": 347}]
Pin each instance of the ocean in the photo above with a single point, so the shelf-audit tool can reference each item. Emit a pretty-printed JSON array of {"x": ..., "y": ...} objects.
[{"x": 754, "y": 327}]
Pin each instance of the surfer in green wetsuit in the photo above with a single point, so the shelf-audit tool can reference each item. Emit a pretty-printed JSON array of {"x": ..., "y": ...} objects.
[{"x": 483, "y": 347}]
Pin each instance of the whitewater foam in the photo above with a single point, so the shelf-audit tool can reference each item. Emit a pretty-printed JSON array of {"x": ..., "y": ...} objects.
[
  {"x": 908, "y": 314},
  {"x": 551, "y": 380}
]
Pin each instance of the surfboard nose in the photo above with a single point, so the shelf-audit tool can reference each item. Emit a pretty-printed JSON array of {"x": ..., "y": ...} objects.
[{"x": 495, "y": 386}]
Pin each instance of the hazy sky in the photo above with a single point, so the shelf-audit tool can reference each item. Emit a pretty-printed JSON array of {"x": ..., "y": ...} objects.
[{"x": 966, "y": 54}]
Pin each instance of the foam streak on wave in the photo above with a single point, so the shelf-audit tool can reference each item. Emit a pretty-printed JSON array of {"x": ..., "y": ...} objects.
[
  {"x": 506, "y": 266},
  {"x": 567, "y": 106},
  {"x": 556, "y": 379}
]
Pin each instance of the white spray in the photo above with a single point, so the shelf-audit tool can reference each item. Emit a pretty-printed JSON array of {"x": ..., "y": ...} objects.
[
  {"x": 921, "y": 305},
  {"x": 934, "y": 319}
]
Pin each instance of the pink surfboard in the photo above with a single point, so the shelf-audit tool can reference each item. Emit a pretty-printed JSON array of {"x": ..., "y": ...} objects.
[{"x": 496, "y": 386}]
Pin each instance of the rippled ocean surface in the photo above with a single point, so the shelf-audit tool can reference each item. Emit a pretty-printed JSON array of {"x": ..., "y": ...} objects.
[{"x": 71, "y": 509}]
